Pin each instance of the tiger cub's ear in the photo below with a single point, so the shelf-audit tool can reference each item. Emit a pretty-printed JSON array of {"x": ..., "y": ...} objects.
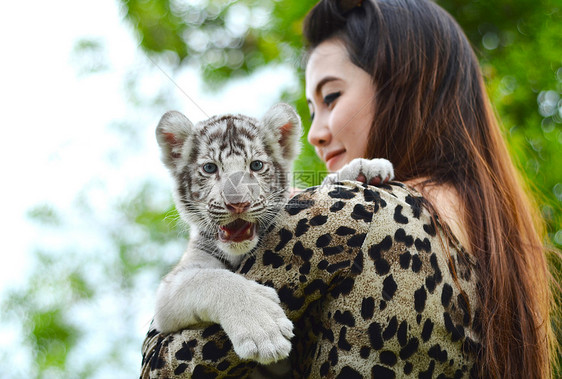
[
  {"x": 283, "y": 122},
  {"x": 171, "y": 134}
]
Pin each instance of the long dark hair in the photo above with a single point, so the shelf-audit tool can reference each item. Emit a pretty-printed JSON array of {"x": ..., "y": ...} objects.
[{"x": 434, "y": 120}]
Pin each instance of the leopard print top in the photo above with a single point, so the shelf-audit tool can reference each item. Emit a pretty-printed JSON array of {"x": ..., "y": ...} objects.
[{"x": 371, "y": 282}]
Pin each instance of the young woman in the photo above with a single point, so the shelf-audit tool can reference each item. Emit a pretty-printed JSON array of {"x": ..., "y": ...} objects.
[{"x": 451, "y": 284}]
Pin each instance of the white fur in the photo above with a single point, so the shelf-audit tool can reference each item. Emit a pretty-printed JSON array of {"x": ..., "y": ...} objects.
[
  {"x": 205, "y": 291},
  {"x": 201, "y": 288}
]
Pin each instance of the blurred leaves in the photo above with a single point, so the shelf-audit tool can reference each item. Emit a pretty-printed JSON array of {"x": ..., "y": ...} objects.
[
  {"x": 53, "y": 336},
  {"x": 226, "y": 39},
  {"x": 520, "y": 45},
  {"x": 44, "y": 214},
  {"x": 89, "y": 56},
  {"x": 160, "y": 28},
  {"x": 83, "y": 294}
]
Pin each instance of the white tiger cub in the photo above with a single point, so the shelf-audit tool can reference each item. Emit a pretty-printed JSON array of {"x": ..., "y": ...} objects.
[{"x": 231, "y": 177}]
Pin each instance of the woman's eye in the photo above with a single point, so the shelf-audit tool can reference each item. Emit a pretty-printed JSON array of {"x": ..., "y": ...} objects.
[
  {"x": 256, "y": 165},
  {"x": 210, "y": 168},
  {"x": 330, "y": 98}
]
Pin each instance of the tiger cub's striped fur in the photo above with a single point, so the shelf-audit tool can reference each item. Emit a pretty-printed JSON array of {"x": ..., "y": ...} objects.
[{"x": 231, "y": 177}]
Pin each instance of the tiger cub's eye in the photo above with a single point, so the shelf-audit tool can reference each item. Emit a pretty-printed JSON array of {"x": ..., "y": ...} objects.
[
  {"x": 210, "y": 168},
  {"x": 256, "y": 165}
]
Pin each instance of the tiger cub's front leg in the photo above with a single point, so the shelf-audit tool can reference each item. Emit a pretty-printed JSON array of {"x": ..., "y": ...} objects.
[{"x": 201, "y": 289}]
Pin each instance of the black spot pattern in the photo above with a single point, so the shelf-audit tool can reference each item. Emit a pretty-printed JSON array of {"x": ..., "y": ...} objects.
[
  {"x": 391, "y": 328},
  {"x": 301, "y": 251},
  {"x": 356, "y": 240},
  {"x": 427, "y": 330},
  {"x": 389, "y": 288},
  {"x": 302, "y": 227},
  {"x": 318, "y": 220},
  {"x": 297, "y": 205},
  {"x": 420, "y": 296},
  {"x": 349, "y": 373},
  {"x": 398, "y": 216},
  {"x": 416, "y": 263},
  {"x": 324, "y": 240},
  {"x": 410, "y": 348},
  {"x": 341, "y": 193},
  {"x": 437, "y": 353},
  {"x": 367, "y": 308},
  {"x": 364, "y": 352},
  {"x": 213, "y": 352},
  {"x": 375, "y": 336},
  {"x": 270, "y": 258},
  {"x": 248, "y": 264},
  {"x": 401, "y": 236},
  {"x": 361, "y": 213},
  {"x": 382, "y": 372},
  {"x": 287, "y": 297},
  {"x": 405, "y": 260},
  {"x": 345, "y": 231},
  {"x": 415, "y": 204},
  {"x": 388, "y": 358},
  {"x": 337, "y": 206},
  {"x": 446, "y": 295},
  {"x": 376, "y": 249},
  {"x": 345, "y": 318},
  {"x": 284, "y": 237},
  {"x": 357, "y": 266},
  {"x": 343, "y": 344},
  {"x": 457, "y": 331},
  {"x": 424, "y": 245}
]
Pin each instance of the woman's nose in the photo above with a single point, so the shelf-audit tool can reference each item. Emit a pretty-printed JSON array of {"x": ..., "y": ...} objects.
[{"x": 319, "y": 134}]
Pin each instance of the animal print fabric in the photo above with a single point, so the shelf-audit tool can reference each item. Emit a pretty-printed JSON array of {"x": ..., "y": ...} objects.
[{"x": 374, "y": 288}]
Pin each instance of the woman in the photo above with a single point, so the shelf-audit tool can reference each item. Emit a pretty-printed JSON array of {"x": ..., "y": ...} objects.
[{"x": 458, "y": 277}]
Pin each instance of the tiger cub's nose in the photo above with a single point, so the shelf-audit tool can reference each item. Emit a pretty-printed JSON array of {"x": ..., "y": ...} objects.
[{"x": 238, "y": 207}]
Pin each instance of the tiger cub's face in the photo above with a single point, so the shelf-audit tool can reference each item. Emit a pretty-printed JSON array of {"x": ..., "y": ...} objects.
[{"x": 231, "y": 172}]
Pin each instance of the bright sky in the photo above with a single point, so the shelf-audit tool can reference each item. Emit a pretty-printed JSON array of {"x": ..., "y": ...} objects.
[{"x": 51, "y": 120}]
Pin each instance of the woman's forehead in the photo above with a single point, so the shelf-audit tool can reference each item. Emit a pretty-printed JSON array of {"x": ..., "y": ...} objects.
[{"x": 329, "y": 59}]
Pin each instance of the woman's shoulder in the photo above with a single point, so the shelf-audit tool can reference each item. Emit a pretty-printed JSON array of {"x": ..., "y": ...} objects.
[
  {"x": 391, "y": 208},
  {"x": 362, "y": 201},
  {"x": 394, "y": 226},
  {"x": 396, "y": 261}
]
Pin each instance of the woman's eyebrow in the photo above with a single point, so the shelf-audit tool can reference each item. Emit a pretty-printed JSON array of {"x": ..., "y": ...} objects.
[{"x": 322, "y": 82}]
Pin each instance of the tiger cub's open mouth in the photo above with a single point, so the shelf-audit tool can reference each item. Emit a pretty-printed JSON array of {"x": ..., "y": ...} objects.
[{"x": 237, "y": 231}]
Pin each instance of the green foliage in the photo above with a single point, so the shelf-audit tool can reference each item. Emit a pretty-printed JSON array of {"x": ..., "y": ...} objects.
[
  {"x": 160, "y": 28},
  {"x": 44, "y": 214},
  {"x": 227, "y": 39},
  {"x": 53, "y": 337},
  {"x": 519, "y": 43},
  {"x": 89, "y": 56},
  {"x": 50, "y": 335},
  {"x": 82, "y": 293}
]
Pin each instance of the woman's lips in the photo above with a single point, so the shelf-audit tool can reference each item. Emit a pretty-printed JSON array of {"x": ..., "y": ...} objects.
[{"x": 334, "y": 160}]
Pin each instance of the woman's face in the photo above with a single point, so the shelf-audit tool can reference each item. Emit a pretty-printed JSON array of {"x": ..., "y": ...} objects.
[{"x": 340, "y": 96}]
